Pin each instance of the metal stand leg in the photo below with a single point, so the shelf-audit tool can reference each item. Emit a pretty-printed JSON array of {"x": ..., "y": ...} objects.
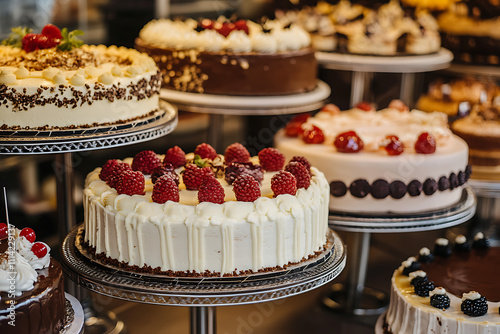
[
  {"x": 407, "y": 88},
  {"x": 94, "y": 322},
  {"x": 360, "y": 82},
  {"x": 215, "y": 131},
  {"x": 203, "y": 320},
  {"x": 355, "y": 298}
]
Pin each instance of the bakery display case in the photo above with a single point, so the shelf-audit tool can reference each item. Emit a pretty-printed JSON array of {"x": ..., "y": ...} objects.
[{"x": 301, "y": 195}]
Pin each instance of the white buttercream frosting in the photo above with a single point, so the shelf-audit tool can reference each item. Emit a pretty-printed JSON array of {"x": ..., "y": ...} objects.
[
  {"x": 24, "y": 249},
  {"x": 424, "y": 251},
  {"x": 22, "y": 275},
  {"x": 472, "y": 295},
  {"x": 417, "y": 273},
  {"x": 408, "y": 262},
  {"x": 182, "y": 35},
  {"x": 460, "y": 239},
  {"x": 479, "y": 236},
  {"x": 220, "y": 238},
  {"x": 437, "y": 291}
]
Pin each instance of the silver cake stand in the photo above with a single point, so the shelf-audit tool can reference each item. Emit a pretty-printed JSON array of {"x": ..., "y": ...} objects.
[
  {"x": 363, "y": 67},
  {"x": 219, "y": 105},
  {"x": 65, "y": 143},
  {"x": 201, "y": 294},
  {"x": 354, "y": 297},
  {"x": 487, "y": 218}
]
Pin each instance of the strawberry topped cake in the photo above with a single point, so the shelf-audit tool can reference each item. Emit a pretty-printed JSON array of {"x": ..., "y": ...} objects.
[
  {"x": 204, "y": 213},
  {"x": 391, "y": 160},
  {"x": 231, "y": 57},
  {"x": 51, "y": 80},
  {"x": 31, "y": 285}
]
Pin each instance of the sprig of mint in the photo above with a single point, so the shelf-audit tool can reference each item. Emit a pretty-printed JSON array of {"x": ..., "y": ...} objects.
[
  {"x": 70, "y": 40},
  {"x": 16, "y": 36},
  {"x": 198, "y": 161}
]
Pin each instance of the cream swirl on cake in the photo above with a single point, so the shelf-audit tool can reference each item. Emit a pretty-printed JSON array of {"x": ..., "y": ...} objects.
[{"x": 187, "y": 235}]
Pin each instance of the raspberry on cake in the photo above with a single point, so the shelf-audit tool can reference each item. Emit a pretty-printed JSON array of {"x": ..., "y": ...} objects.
[
  {"x": 391, "y": 160},
  {"x": 52, "y": 80},
  {"x": 37, "y": 297},
  {"x": 218, "y": 220},
  {"x": 231, "y": 58}
]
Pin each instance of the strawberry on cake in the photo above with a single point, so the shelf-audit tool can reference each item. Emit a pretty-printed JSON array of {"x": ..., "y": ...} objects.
[
  {"x": 392, "y": 160},
  {"x": 205, "y": 213},
  {"x": 51, "y": 80}
]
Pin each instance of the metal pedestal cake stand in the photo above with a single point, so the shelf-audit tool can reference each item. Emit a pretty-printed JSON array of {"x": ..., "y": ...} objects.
[
  {"x": 219, "y": 105},
  {"x": 354, "y": 297},
  {"x": 363, "y": 67},
  {"x": 201, "y": 294},
  {"x": 65, "y": 142}
]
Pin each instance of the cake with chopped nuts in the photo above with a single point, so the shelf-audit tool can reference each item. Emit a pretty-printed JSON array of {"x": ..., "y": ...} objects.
[
  {"x": 31, "y": 285},
  {"x": 448, "y": 292},
  {"x": 205, "y": 214},
  {"x": 52, "y": 81},
  {"x": 230, "y": 57},
  {"x": 387, "y": 161}
]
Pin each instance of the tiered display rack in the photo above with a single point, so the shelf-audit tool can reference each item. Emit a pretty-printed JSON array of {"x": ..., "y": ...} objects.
[{"x": 65, "y": 142}]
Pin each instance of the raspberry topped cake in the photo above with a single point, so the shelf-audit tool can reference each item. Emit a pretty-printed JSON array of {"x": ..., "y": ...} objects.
[
  {"x": 381, "y": 28},
  {"x": 51, "y": 80},
  {"x": 391, "y": 160},
  {"x": 31, "y": 285},
  {"x": 231, "y": 57},
  {"x": 204, "y": 213},
  {"x": 450, "y": 290}
]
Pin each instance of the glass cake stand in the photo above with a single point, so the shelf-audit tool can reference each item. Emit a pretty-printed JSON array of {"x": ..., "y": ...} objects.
[
  {"x": 202, "y": 294},
  {"x": 66, "y": 142},
  {"x": 219, "y": 105},
  {"x": 354, "y": 297},
  {"x": 363, "y": 67}
]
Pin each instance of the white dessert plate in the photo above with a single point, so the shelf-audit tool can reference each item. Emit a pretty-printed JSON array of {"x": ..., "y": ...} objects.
[
  {"x": 379, "y": 326},
  {"x": 76, "y": 317}
]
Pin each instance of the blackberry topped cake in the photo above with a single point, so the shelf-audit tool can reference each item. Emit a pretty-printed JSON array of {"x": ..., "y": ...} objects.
[
  {"x": 206, "y": 214},
  {"x": 51, "y": 80},
  {"x": 31, "y": 285},
  {"x": 448, "y": 290},
  {"x": 381, "y": 28},
  {"x": 231, "y": 57},
  {"x": 387, "y": 161}
]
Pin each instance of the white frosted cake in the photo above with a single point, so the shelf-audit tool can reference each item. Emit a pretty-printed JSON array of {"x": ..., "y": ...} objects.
[
  {"x": 450, "y": 294},
  {"x": 51, "y": 86},
  {"x": 382, "y": 161},
  {"x": 231, "y": 223}
]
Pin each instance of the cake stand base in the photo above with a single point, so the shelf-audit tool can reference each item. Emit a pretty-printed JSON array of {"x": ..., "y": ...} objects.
[
  {"x": 101, "y": 323},
  {"x": 203, "y": 320},
  {"x": 372, "y": 301}
]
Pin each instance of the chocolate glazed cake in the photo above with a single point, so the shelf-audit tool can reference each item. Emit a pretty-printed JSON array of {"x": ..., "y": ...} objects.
[
  {"x": 228, "y": 73},
  {"x": 37, "y": 310}
]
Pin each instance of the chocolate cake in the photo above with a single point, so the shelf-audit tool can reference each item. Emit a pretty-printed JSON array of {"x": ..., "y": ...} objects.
[{"x": 37, "y": 304}]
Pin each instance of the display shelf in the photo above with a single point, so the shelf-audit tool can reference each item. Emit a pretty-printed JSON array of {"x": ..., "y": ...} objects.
[
  {"x": 363, "y": 67},
  {"x": 219, "y": 105},
  {"x": 200, "y": 293},
  {"x": 475, "y": 70},
  {"x": 84, "y": 139},
  {"x": 354, "y": 297},
  {"x": 65, "y": 142}
]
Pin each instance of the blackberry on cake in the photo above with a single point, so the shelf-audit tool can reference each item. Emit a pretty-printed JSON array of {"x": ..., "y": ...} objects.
[
  {"x": 418, "y": 277},
  {"x": 410, "y": 265},
  {"x": 423, "y": 288},
  {"x": 234, "y": 169},
  {"x": 480, "y": 241},
  {"x": 473, "y": 304},
  {"x": 425, "y": 255},
  {"x": 461, "y": 244},
  {"x": 442, "y": 247},
  {"x": 439, "y": 299}
]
